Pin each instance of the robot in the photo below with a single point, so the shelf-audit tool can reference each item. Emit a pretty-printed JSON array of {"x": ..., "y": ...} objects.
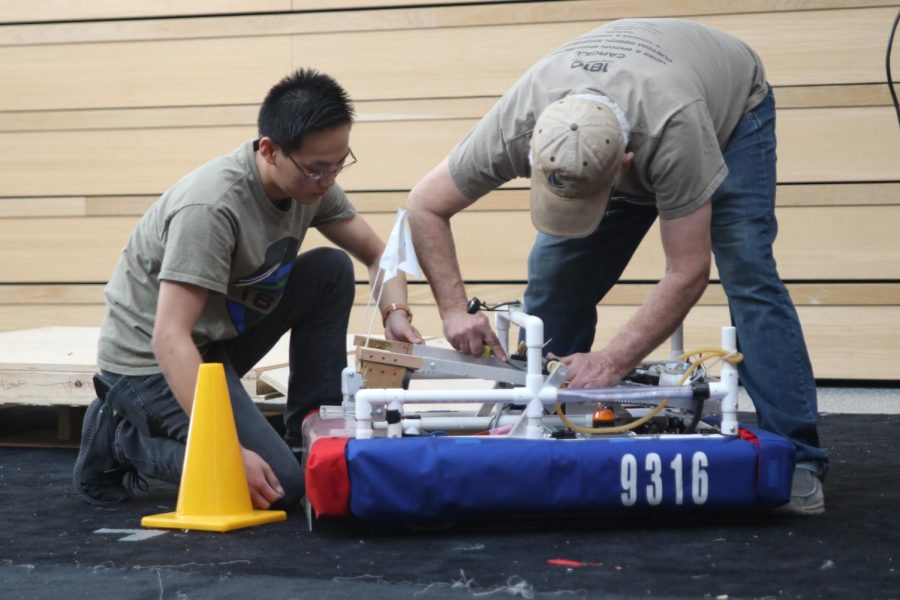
[{"x": 666, "y": 437}]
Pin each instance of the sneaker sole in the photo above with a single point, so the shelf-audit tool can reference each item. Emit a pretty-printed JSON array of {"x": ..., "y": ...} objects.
[
  {"x": 88, "y": 431},
  {"x": 795, "y": 511},
  {"x": 791, "y": 509}
]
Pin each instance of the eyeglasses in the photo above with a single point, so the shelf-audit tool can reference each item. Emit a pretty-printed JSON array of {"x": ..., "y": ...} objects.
[{"x": 320, "y": 175}]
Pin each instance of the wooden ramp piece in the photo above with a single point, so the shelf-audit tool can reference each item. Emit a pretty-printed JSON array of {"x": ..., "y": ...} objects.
[
  {"x": 276, "y": 377},
  {"x": 383, "y": 363}
]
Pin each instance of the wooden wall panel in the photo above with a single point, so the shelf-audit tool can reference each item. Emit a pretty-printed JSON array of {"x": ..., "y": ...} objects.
[
  {"x": 393, "y": 155},
  {"x": 814, "y": 243},
  {"x": 507, "y": 199},
  {"x": 15, "y": 11},
  {"x": 399, "y": 109},
  {"x": 129, "y": 161},
  {"x": 799, "y": 48},
  {"x": 833, "y": 242},
  {"x": 15, "y": 316},
  {"x": 868, "y": 354},
  {"x": 61, "y": 250},
  {"x": 415, "y": 63},
  {"x": 214, "y": 71},
  {"x": 62, "y": 295},
  {"x": 410, "y": 61},
  {"x": 96, "y": 120},
  {"x": 345, "y": 4},
  {"x": 821, "y": 143},
  {"x": 386, "y": 15}
]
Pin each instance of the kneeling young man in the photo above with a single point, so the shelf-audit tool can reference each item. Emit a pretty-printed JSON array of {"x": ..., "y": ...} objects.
[{"x": 211, "y": 273}]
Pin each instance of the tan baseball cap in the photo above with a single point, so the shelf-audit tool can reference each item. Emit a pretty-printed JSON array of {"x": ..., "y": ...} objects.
[{"x": 576, "y": 148}]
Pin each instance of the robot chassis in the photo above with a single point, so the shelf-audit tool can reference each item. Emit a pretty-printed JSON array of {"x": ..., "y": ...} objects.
[{"x": 657, "y": 398}]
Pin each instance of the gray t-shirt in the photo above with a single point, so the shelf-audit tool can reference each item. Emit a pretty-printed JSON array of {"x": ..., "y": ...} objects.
[
  {"x": 216, "y": 229},
  {"x": 682, "y": 86}
]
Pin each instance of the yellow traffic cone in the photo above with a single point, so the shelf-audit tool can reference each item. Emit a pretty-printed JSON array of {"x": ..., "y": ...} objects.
[{"x": 214, "y": 495}]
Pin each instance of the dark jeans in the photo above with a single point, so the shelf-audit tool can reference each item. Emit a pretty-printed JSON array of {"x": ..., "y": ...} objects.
[
  {"x": 315, "y": 308},
  {"x": 567, "y": 278}
]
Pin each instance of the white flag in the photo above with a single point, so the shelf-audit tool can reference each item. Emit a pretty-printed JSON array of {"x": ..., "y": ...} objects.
[{"x": 399, "y": 253}]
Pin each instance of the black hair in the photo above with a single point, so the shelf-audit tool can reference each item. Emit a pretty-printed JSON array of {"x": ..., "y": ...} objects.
[{"x": 304, "y": 102}]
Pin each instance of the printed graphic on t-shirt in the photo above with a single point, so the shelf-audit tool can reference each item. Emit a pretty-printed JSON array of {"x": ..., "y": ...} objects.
[
  {"x": 598, "y": 52},
  {"x": 254, "y": 296}
]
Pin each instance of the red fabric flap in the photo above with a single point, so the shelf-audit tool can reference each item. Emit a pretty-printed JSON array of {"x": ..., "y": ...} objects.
[{"x": 327, "y": 479}]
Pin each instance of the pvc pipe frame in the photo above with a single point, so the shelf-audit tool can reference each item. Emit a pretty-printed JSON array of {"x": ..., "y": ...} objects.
[
  {"x": 728, "y": 378},
  {"x": 535, "y": 394}
]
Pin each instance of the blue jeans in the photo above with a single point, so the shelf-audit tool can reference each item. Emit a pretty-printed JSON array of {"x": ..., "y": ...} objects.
[
  {"x": 315, "y": 308},
  {"x": 567, "y": 278}
]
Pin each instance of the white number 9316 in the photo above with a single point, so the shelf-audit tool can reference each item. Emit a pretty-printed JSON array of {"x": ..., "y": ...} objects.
[{"x": 653, "y": 467}]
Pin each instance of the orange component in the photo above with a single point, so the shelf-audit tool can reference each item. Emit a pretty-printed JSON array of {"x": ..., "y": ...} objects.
[{"x": 604, "y": 416}]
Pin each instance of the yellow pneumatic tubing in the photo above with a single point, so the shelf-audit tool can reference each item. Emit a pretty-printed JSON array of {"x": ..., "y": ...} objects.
[{"x": 702, "y": 354}]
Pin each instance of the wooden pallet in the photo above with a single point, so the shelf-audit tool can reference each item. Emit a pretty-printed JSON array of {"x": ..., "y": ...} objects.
[{"x": 46, "y": 383}]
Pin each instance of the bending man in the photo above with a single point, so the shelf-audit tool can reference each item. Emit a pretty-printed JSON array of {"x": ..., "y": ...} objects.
[{"x": 637, "y": 119}]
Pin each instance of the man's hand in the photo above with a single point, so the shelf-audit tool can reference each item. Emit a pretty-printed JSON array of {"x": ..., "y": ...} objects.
[
  {"x": 592, "y": 369},
  {"x": 399, "y": 328},
  {"x": 264, "y": 486},
  {"x": 469, "y": 334}
]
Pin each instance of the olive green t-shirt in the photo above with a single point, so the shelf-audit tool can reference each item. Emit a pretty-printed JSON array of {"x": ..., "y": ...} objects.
[
  {"x": 217, "y": 229},
  {"x": 682, "y": 86}
]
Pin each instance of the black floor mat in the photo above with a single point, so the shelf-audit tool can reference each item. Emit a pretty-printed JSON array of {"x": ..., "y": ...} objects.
[{"x": 53, "y": 545}]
